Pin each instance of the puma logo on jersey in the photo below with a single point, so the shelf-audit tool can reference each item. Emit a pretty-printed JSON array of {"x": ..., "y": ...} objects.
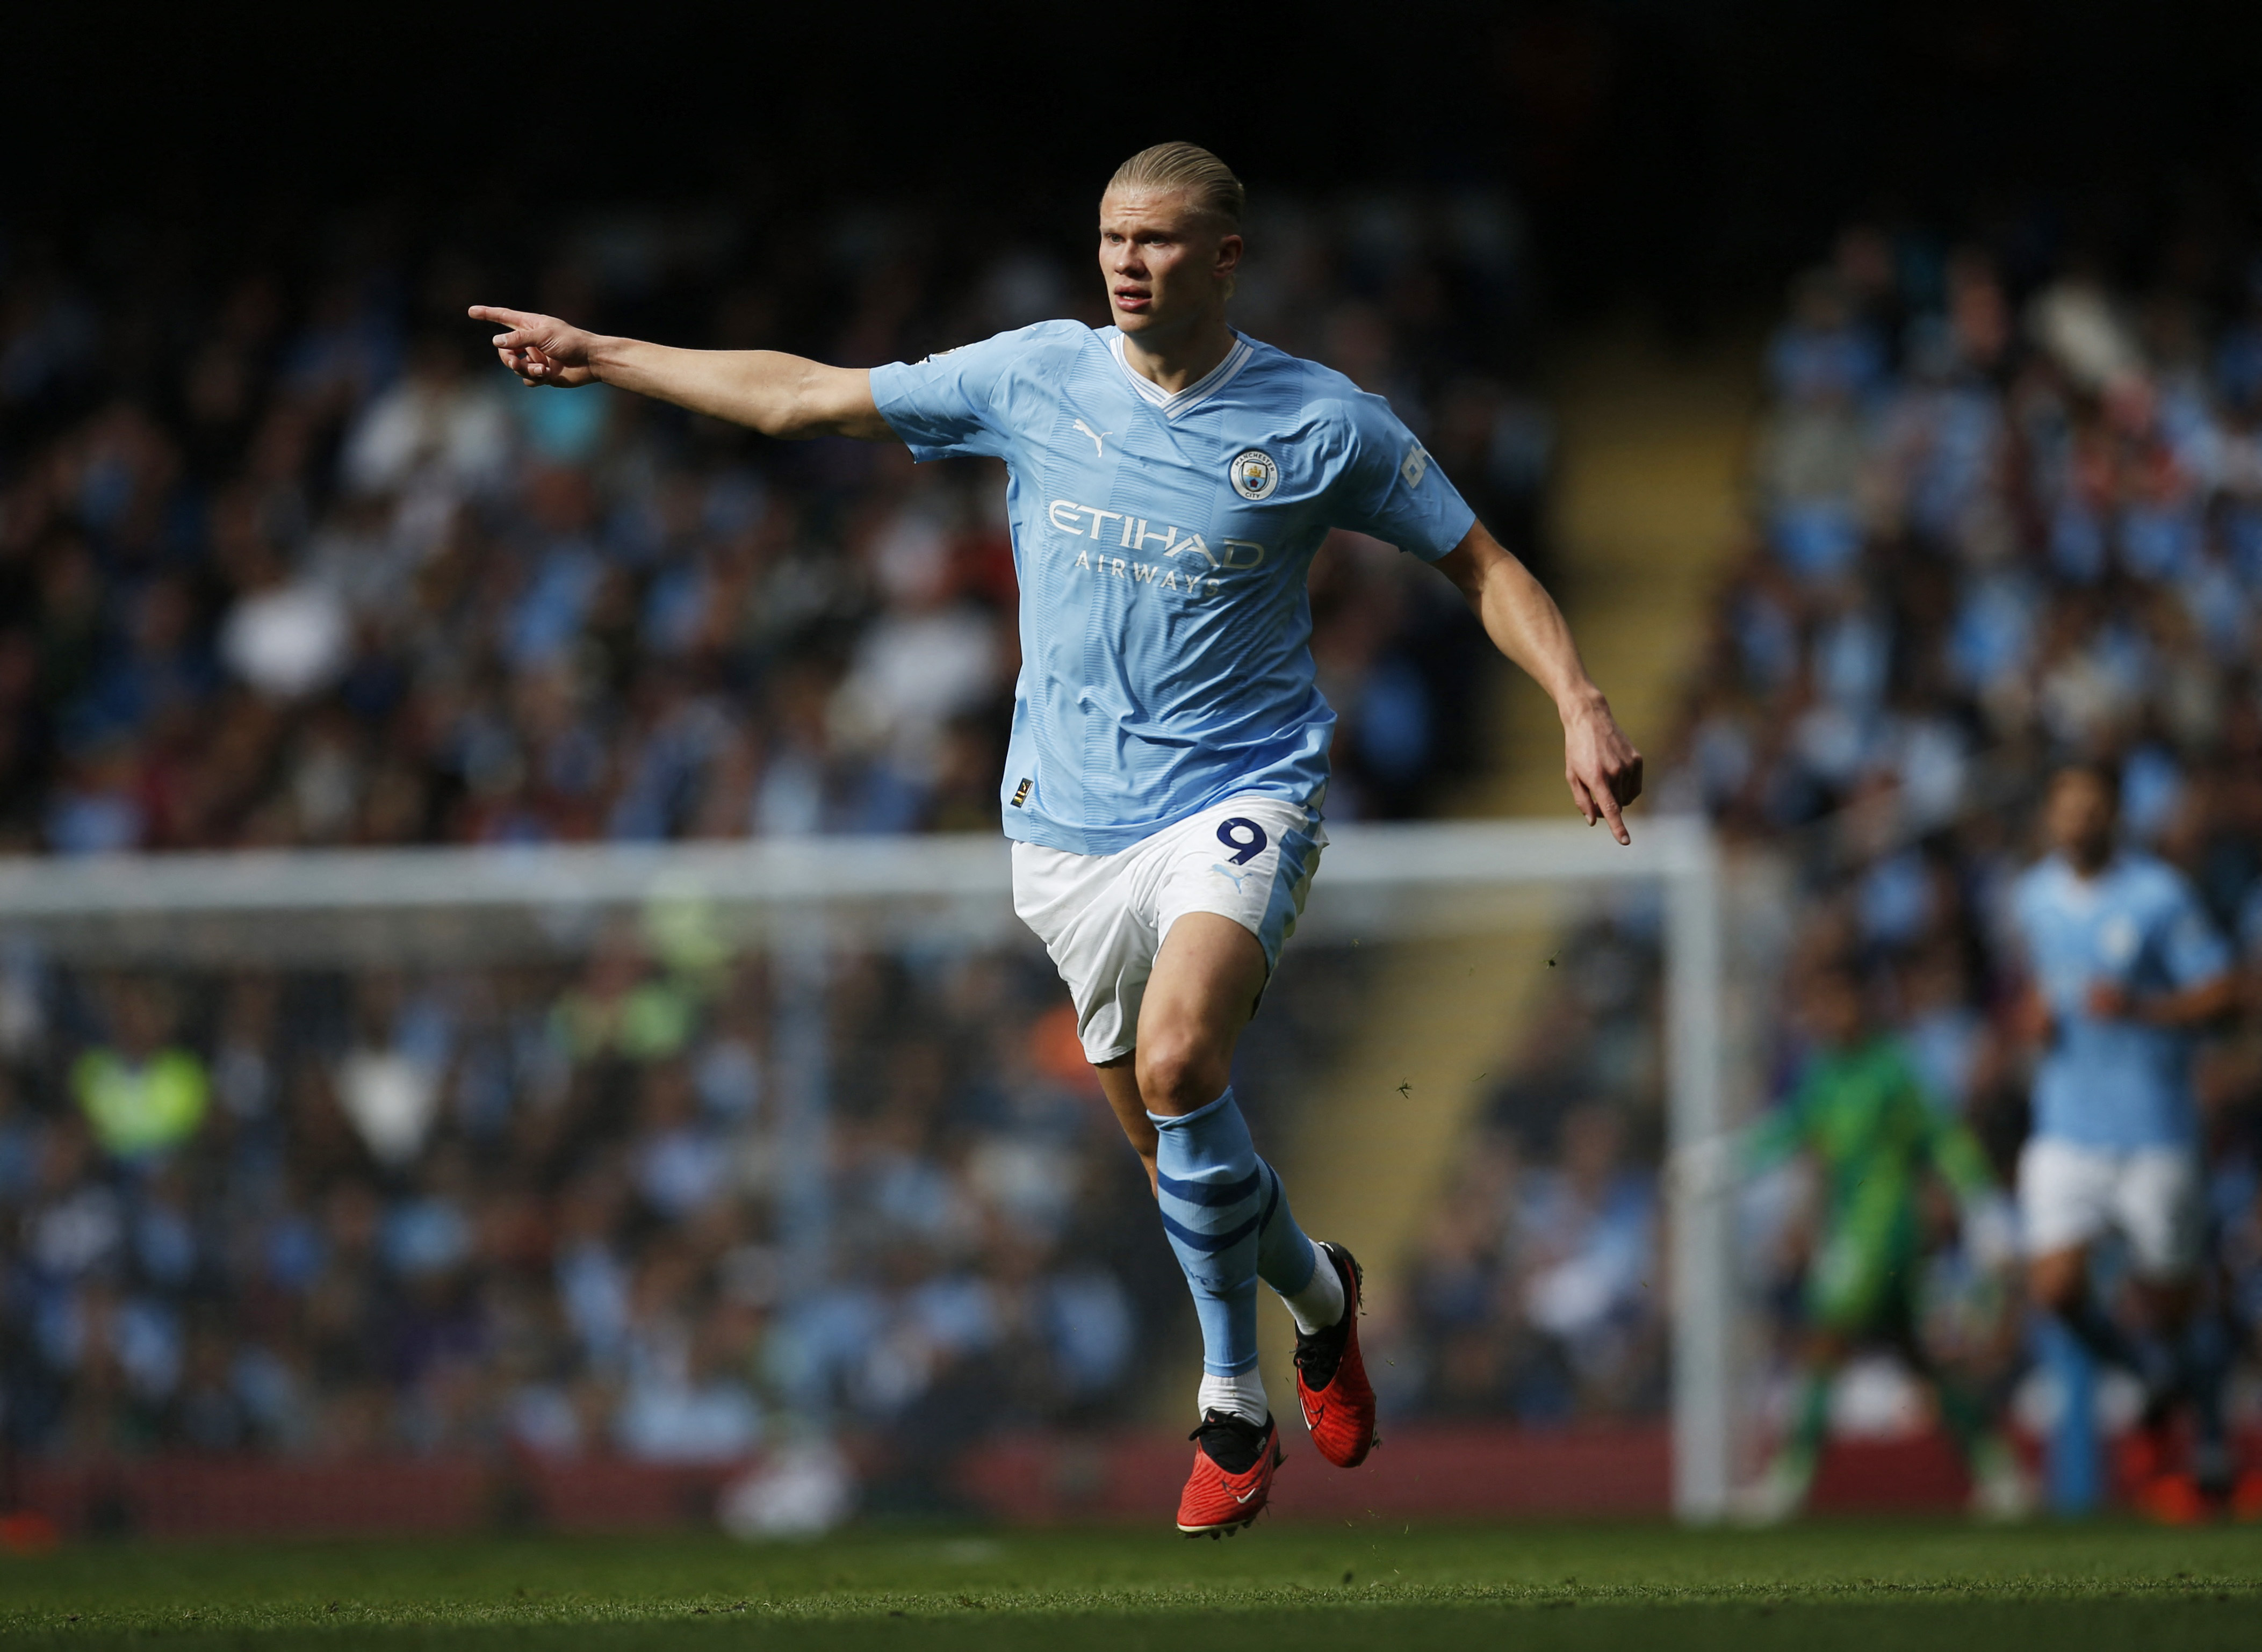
[{"x": 1098, "y": 442}]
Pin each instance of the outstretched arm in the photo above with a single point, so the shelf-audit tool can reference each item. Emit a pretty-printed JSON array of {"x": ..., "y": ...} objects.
[
  {"x": 1600, "y": 763},
  {"x": 777, "y": 394}
]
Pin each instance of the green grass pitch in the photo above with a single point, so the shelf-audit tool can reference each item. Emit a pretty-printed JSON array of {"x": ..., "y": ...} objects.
[{"x": 1370, "y": 1585}]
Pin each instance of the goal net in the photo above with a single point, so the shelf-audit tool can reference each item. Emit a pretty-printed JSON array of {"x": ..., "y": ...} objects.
[{"x": 686, "y": 1150}]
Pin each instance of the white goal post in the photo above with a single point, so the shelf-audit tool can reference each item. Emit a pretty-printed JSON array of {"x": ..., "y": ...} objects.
[{"x": 796, "y": 897}]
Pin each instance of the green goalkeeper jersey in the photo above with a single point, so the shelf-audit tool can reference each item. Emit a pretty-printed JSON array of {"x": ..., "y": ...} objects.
[{"x": 1864, "y": 1115}]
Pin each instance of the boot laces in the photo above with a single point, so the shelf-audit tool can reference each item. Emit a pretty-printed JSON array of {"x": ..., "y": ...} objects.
[{"x": 1232, "y": 1443}]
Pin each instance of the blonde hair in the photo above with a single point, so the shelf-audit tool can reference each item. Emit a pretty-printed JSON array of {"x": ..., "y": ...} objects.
[{"x": 1189, "y": 167}]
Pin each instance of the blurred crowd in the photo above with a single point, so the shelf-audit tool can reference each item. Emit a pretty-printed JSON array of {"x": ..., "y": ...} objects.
[
  {"x": 286, "y": 558},
  {"x": 286, "y": 561},
  {"x": 2008, "y": 499},
  {"x": 564, "y": 1211},
  {"x": 1536, "y": 1292},
  {"x": 2007, "y": 510}
]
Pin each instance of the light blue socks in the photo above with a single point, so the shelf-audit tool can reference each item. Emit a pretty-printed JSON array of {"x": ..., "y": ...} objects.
[{"x": 1230, "y": 1224}]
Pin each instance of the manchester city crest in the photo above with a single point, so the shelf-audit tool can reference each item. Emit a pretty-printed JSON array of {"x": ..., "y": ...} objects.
[{"x": 1254, "y": 474}]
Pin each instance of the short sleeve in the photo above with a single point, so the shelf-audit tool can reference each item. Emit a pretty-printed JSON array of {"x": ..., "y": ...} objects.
[
  {"x": 2190, "y": 946},
  {"x": 1393, "y": 490},
  {"x": 952, "y": 404}
]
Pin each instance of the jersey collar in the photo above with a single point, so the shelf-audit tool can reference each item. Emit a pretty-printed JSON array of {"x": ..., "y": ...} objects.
[
  {"x": 1170, "y": 404},
  {"x": 2085, "y": 892}
]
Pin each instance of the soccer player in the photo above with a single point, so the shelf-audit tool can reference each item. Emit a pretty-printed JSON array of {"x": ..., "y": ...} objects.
[
  {"x": 1861, "y": 1113},
  {"x": 2123, "y": 970},
  {"x": 1170, "y": 481}
]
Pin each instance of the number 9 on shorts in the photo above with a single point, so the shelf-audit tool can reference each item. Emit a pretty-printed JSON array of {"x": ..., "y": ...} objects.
[{"x": 1244, "y": 836}]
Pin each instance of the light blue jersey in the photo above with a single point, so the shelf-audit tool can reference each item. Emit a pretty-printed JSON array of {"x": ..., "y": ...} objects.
[
  {"x": 2139, "y": 924},
  {"x": 1162, "y": 542}
]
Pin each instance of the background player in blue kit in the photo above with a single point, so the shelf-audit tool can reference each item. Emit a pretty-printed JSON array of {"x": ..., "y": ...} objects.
[
  {"x": 1170, "y": 482},
  {"x": 2124, "y": 969}
]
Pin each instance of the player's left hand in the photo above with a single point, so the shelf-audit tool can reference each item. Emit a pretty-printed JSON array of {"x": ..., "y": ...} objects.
[{"x": 1601, "y": 764}]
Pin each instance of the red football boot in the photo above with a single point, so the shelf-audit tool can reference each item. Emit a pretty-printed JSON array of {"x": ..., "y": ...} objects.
[
  {"x": 1331, "y": 1382},
  {"x": 1234, "y": 1461}
]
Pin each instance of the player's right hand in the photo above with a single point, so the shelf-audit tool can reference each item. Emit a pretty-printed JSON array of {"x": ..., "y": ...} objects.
[{"x": 541, "y": 349}]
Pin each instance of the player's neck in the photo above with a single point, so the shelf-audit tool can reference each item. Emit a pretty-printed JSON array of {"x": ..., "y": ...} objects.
[{"x": 1181, "y": 356}]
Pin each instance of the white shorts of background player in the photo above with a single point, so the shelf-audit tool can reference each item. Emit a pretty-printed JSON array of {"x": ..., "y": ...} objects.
[
  {"x": 1103, "y": 917},
  {"x": 2071, "y": 1194}
]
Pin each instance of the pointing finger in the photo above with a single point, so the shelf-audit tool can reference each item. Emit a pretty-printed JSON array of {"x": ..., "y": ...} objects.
[{"x": 1611, "y": 813}]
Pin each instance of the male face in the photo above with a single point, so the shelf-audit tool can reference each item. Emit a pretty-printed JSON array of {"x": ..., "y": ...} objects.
[
  {"x": 2078, "y": 818},
  {"x": 1166, "y": 264}
]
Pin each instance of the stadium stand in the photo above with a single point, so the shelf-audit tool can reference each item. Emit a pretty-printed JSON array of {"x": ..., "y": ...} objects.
[
  {"x": 286, "y": 567},
  {"x": 2006, "y": 508},
  {"x": 284, "y": 562}
]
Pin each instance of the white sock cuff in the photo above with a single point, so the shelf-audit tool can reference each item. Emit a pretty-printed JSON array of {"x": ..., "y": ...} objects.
[
  {"x": 1320, "y": 1303},
  {"x": 1241, "y": 1395}
]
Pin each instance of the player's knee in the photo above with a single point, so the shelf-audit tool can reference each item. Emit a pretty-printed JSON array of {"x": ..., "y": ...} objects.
[{"x": 1176, "y": 1075}]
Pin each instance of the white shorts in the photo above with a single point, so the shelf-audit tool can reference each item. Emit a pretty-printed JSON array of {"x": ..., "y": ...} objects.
[
  {"x": 1103, "y": 917},
  {"x": 2069, "y": 1195}
]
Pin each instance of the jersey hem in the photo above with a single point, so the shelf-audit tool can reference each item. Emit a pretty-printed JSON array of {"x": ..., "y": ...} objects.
[
  {"x": 2088, "y": 1143},
  {"x": 1022, "y": 827}
]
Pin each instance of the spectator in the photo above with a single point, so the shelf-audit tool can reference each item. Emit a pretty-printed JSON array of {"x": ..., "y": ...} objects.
[
  {"x": 314, "y": 578},
  {"x": 142, "y": 1096},
  {"x": 327, "y": 580}
]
